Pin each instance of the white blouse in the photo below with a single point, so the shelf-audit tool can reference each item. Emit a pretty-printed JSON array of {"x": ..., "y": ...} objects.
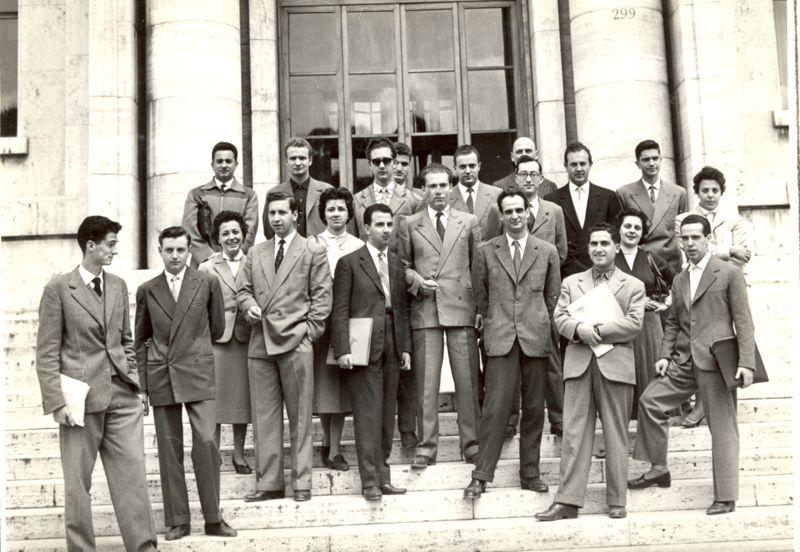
[{"x": 339, "y": 246}]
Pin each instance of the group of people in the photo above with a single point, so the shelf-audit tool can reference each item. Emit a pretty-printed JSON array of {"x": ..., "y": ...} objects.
[{"x": 348, "y": 305}]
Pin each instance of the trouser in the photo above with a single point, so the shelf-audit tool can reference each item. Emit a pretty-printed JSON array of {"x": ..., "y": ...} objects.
[{"x": 407, "y": 400}]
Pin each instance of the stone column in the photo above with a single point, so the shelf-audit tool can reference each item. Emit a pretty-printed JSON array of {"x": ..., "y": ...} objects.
[
  {"x": 621, "y": 86},
  {"x": 195, "y": 100}
]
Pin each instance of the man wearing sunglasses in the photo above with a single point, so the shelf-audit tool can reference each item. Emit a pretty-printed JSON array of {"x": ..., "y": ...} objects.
[{"x": 524, "y": 146}]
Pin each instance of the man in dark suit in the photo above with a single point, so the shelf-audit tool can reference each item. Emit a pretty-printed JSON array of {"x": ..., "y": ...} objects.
[
  {"x": 178, "y": 315},
  {"x": 222, "y": 193},
  {"x": 438, "y": 245},
  {"x": 286, "y": 296},
  {"x": 660, "y": 201},
  {"x": 85, "y": 334},
  {"x": 515, "y": 280},
  {"x": 709, "y": 302},
  {"x": 597, "y": 384},
  {"x": 370, "y": 283},
  {"x": 524, "y": 146},
  {"x": 473, "y": 196}
]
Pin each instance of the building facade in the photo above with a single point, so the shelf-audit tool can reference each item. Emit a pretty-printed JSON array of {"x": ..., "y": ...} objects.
[{"x": 112, "y": 106}]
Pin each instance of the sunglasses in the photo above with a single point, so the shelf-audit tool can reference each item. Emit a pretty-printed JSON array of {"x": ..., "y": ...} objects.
[{"x": 386, "y": 161}]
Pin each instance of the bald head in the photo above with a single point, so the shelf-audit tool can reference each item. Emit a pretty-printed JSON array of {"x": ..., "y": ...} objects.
[{"x": 523, "y": 146}]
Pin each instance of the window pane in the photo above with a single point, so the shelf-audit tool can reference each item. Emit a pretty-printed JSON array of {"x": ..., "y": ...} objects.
[
  {"x": 370, "y": 41},
  {"x": 373, "y": 100},
  {"x": 488, "y": 37},
  {"x": 8, "y": 76},
  {"x": 432, "y": 149},
  {"x": 314, "y": 108},
  {"x": 429, "y": 38},
  {"x": 325, "y": 160},
  {"x": 491, "y": 100},
  {"x": 312, "y": 43},
  {"x": 363, "y": 177},
  {"x": 495, "y": 148},
  {"x": 433, "y": 102}
]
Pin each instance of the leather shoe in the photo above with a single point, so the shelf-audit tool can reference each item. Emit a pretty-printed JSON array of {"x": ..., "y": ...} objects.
[
  {"x": 421, "y": 462},
  {"x": 177, "y": 532},
  {"x": 408, "y": 439},
  {"x": 664, "y": 480},
  {"x": 533, "y": 484},
  {"x": 475, "y": 488},
  {"x": 718, "y": 507},
  {"x": 242, "y": 469},
  {"x": 340, "y": 464},
  {"x": 258, "y": 496},
  {"x": 302, "y": 495},
  {"x": 557, "y": 429},
  {"x": 471, "y": 459},
  {"x": 510, "y": 432},
  {"x": 558, "y": 511},
  {"x": 221, "y": 529},
  {"x": 389, "y": 489},
  {"x": 372, "y": 493},
  {"x": 617, "y": 512}
]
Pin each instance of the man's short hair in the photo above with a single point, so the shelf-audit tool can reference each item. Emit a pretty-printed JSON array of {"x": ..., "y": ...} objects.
[
  {"x": 96, "y": 228},
  {"x": 401, "y": 148},
  {"x": 435, "y": 168},
  {"x": 576, "y": 147},
  {"x": 694, "y": 218},
  {"x": 605, "y": 227},
  {"x": 298, "y": 143},
  {"x": 646, "y": 145},
  {"x": 376, "y": 143},
  {"x": 225, "y": 146},
  {"x": 527, "y": 159},
  {"x": 628, "y": 212},
  {"x": 173, "y": 232},
  {"x": 330, "y": 194},
  {"x": 511, "y": 193},
  {"x": 228, "y": 216},
  {"x": 709, "y": 173},
  {"x": 466, "y": 149},
  {"x": 375, "y": 208},
  {"x": 282, "y": 196}
]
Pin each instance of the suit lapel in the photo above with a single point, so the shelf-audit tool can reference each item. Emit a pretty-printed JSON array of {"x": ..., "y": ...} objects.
[
  {"x": 314, "y": 190},
  {"x": 290, "y": 258},
  {"x": 163, "y": 295},
  {"x": 527, "y": 258},
  {"x": 642, "y": 199},
  {"x": 681, "y": 286},
  {"x": 85, "y": 297},
  {"x": 569, "y": 209},
  {"x": 221, "y": 267},
  {"x": 112, "y": 295},
  {"x": 504, "y": 257},
  {"x": 708, "y": 278},
  {"x": 617, "y": 281},
  {"x": 541, "y": 217},
  {"x": 425, "y": 227},
  {"x": 398, "y": 199},
  {"x": 189, "y": 287},
  {"x": 663, "y": 202},
  {"x": 368, "y": 265},
  {"x": 456, "y": 201},
  {"x": 591, "y": 212},
  {"x": 584, "y": 282},
  {"x": 483, "y": 200},
  {"x": 454, "y": 227},
  {"x": 268, "y": 263}
]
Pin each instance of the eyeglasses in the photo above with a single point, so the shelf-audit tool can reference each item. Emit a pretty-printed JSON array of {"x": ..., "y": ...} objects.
[
  {"x": 386, "y": 161},
  {"x": 403, "y": 163},
  {"x": 524, "y": 175}
]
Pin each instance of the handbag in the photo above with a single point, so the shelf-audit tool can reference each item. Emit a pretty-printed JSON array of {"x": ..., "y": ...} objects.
[{"x": 205, "y": 221}]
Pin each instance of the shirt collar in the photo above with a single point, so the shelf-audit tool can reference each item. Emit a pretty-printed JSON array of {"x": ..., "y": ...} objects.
[
  {"x": 378, "y": 188},
  {"x": 533, "y": 204},
  {"x": 287, "y": 240},
  {"x": 656, "y": 184},
  {"x": 573, "y": 187},
  {"x": 701, "y": 264},
  {"x": 706, "y": 212},
  {"x": 238, "y": 256},
  {"x": 228, "y": 185},
  {"x": 303, "y": 184},
  {"x": 373, "y": 251},
  {"x": 87, "y": 276},
  {"x": 433, "y": 212},
  {"x": 180, "y": 275},
  {"x": 463, "y": 189},
  {"x": 596, "y": 273},
  {"x": 522, "y": 241}
]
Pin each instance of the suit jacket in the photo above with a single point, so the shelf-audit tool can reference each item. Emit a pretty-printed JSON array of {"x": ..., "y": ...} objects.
[
  {"x": 602, "y": 206},
  {"x": 404, "y": 202},
  {"x": 728, "y": 229},
  {"x": 177, "y": 366},
  {"x": 486, "y": 210},
  {"x": 314, "y": 224},
  {"x": 235, "y": 324},
  {"x": 547, "y": 186},
  {"x": 358, "y": 293},
  {"x": 294, "y": 302},
  {"x": 720, "y": 309},
  {"x": 617, "y": 364},
  {"x": 84, "y": 338},
  {"x": 516, "y": 306},
  {"x": 549, "y": 226},
  {"x": 238, "y": 198},
  {"x": 448, "y": 262},
  {"x": 671, "y": 201}
]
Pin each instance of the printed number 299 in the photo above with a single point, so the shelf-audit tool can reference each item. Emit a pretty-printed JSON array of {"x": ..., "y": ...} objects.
[{"x": 624, "y": 13}]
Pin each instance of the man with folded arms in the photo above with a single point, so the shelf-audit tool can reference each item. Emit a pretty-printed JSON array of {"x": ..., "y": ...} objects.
[
  {"x": 709, "y": 302},
  {"x": 597, "y": 384}
]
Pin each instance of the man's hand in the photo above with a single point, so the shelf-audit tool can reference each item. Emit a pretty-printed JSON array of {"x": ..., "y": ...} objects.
[
  {"x": 145, "y": 403},
  {"x": 479, "y": 323},
  {"x": 740, "y": 253},
  {"x": 63, "y": 416},
  {"x": 345, "y": 362},
  {"x": 746, "y": 375},
  {"x": 654, "y": 306},
  {"x": 429, "y": 287},
  {"x": 405, "y": 364},
  {"x": 253, "y": 315},
  {"x": 661, "y": 366},
  {"x": 588, "y": 335}
]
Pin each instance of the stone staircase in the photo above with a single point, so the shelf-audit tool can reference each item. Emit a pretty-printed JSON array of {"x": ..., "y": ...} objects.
[{"x": 433, "y": 516}]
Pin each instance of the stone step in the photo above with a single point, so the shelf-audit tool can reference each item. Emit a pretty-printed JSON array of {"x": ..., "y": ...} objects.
[{"x": 416, "y": 506}]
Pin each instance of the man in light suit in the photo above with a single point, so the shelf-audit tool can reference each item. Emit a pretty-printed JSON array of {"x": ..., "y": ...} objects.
[
  {"x": 709, "y": 302},
  {"x": 286, "y": 296},
  {"x": 524, "y": 146},
  {"x": 178, "y": 315},
  {"x": 85, "y": 334},
  {"x": 597, "y": 384},
  {"x": 438, "y": 245},
  {"x": 222, "y": 193},
  {"x": 515, "y": 279},
  {"x": 473, "y": 196},
  {"x": 660, "y": 201},
  {"x": 370, "y": 283}
]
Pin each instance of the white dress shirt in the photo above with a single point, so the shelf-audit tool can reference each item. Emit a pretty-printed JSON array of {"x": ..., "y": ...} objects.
[
  {"x": 87, "y": 278},
  {"x": 175, "y": 286},
  {"x": 579, "y": 200},
  {"x": 656, "y": 185},
  {"x": 234, "y": 263},
  {"x": 533, "y": 207},
  {"x": 445, "y": 215},
  {"x": 287, "y": 242},
  {"x": 464, "y": 194},
  {"x": 383, "y": 193},
  {"x": 219, "y": 184},
  {"x": 522, "y": 241},
  {"x": 695, "y": 273},
  {"x": 337, "y": 247}
]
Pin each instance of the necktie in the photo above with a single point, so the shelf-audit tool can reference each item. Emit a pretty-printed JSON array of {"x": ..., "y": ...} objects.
[
  {"x": 384, "y": 196},
  {"x": 652, "y": 194},
  {"x": 470, "y": 202},
  {"x": 279, "y": 256},
  {"x": 383, "y": 272},
  {"x": 531, "y": 220},
  {"x": 517, "y": 256},
  {"x": 440, "y": 226},
  {"x": 96, "y": 285},
  {"x": 174, "y": 287},
  {"x": 579, "y": 205}
]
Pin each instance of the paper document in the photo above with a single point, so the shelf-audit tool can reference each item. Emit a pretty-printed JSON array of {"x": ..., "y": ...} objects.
[
  {"x": 360, "y": 342},
  {"x": 597, "y": 307},
  {"x": 75, "y": 392}
]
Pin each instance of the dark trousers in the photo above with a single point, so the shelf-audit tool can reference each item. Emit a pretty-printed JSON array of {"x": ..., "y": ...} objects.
[
  {"x": 407, "y": 400},
  {"x": 504, "y": 376},
  {"x": 373, "y": 389},
  {"x": 205, "y": 459}
]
